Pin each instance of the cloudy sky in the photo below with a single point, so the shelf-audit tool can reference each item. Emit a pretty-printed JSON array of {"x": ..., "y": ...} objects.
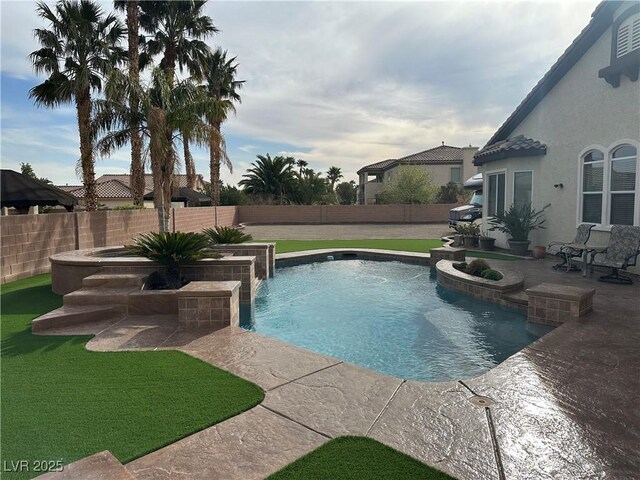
[{"x": 333, "y": 83}]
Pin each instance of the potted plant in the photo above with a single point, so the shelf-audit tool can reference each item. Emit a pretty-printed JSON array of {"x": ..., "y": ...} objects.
[
  {"x": 518, "y": 223},
  {"x": 470, "y": 233},
  {"x": 486, "y": 242},
  {"x": 458, "y": 237}
]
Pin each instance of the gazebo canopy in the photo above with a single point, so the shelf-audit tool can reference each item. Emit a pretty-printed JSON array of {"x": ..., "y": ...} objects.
[
  {"x": 21, "y": 191},
  {"x": 184, "y": 194}
]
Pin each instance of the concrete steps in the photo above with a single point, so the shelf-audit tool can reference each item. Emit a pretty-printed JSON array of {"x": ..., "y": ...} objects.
[
  {"x": 114, "y": 280},
  {"x": 75, "y": 315},
  {"x": 99, "y": 296}
]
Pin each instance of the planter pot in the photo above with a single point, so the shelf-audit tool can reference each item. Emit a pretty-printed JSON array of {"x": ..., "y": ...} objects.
[
  {"x": 457, "y": 240},
  {"x": 539, "y": 251},
  {"x": 470, "y": 242},
  {"x": 487, "y": 243},
  {"x": 519, "y": 247}
]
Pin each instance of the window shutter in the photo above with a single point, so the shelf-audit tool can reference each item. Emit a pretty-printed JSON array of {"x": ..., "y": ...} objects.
[
  {"x": 628, "y": 38},
  {"x": 623, "y": 41}
]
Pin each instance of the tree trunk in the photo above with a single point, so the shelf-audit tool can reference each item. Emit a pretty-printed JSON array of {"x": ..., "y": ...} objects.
[
  {"x": 160, "y": 152},
  {"x": 136, "y": 182},
  {"x": 189, "y": 165},
  {"x": 214, "y": 162},
  {"x": 83, "y": 105}
]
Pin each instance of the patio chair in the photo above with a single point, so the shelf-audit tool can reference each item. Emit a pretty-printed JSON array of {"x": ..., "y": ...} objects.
[
  {"x": 566, "y": 251},
  {"x": 622, "y": 252}
]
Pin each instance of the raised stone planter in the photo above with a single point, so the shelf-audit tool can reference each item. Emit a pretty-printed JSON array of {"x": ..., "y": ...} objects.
[
  {"x": 490, "y": 290},
  {"x": 553, "y": 304},
  {"x": 209, "y": 304},
  {"x": 264, "y": 253},
  {"x": 447, "y": 253}
]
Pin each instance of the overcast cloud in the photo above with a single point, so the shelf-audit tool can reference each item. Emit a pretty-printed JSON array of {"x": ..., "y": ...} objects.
[{"x": 344, "y": 84}]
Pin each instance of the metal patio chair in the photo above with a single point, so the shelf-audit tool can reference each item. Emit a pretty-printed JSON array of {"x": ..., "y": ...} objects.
[
  {"x": 568, "y": 250},
  {"x": 622, "y": 252}
]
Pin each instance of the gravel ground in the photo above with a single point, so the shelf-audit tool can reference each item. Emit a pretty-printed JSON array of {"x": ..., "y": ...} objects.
[{"x": 350, "y": 231}]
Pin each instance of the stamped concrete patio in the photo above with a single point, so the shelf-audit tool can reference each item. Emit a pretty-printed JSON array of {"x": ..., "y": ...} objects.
[{"x": 566, "y": 407}]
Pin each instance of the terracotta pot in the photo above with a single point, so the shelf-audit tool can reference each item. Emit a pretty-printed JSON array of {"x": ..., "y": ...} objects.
[{"x": 539, "y": 251}]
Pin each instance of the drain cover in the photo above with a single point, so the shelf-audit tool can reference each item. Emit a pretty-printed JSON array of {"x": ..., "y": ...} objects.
[{"x": 481, "y": 401}]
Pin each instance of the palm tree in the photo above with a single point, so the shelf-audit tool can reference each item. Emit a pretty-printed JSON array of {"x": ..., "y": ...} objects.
[
  {"x": 176, "y": 30},
  {"x": 311, "y": 188},
  {"x": 271, "y": 179},
  {"x": 164, "y": 108},
  {"x": 137, "y": 169},
  {"x": 78, "y": 50},
  {"x": 222, "y": 87},
  {"x": 301, "y": 164},
  {"x": 333, "y": 175}
]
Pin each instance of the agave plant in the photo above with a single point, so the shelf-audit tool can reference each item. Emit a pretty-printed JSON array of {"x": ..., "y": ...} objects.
[
  {"x": 172, "y": 250},
  {"x": 518, "y": 222},
  {"x": 226, "y": 235}
]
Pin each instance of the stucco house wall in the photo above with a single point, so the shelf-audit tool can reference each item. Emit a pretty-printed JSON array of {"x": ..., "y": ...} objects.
[{"x": 581, "y": 111}]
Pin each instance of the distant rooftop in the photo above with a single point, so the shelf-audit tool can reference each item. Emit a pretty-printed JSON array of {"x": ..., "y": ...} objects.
[{"x": 444, "y": 154}]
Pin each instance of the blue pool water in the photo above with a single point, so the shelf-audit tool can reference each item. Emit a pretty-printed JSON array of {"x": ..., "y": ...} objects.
[{"x": 390, "y": 317}]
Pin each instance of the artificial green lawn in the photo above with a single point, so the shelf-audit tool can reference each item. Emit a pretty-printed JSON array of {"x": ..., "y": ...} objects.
[
  {"x": 62, "y": 402},
  {"x": 407, "y": 245},
  {"x": 357, "y": 458}
]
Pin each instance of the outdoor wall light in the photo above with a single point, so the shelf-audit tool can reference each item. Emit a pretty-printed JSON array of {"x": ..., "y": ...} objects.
[{"x": 558, "y": 185}]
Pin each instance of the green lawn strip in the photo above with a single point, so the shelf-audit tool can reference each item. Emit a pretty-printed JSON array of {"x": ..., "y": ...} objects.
[
  {"x": 407, "y": 245},
  {"x": 63, "y": 402},
  {"x": 357, "y": 458}
]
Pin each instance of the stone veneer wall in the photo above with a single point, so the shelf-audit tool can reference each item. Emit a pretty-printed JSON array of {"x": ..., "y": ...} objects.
[
  {"x": 264, "y": 253},
  {"x": 488, "y": 290}
]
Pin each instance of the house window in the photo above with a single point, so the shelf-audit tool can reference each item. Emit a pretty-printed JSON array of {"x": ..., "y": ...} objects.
[
  {"x": 522, "y": 183},
  {"x": 622, "y": 185},
  {"x": 592, "y": 186},
  {"x": 456, "y": 176},
  {"x": 496, "y": 193},
  {"x": 609, "y": 186}
]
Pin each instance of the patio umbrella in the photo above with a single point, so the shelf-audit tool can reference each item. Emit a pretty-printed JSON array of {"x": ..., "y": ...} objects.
[{"x": 21, "y": 192}]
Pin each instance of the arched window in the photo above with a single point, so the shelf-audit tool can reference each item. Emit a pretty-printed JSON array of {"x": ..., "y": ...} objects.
[
  {"x": 609, "y": 182},
  {"x": 622, "y": 185},
  {"x": 592, "y": 186}
]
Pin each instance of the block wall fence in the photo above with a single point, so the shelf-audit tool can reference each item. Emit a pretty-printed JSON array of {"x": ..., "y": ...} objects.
[{"x": 27, "y": 241}]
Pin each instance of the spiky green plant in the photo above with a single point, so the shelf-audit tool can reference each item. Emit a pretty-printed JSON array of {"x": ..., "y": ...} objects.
[
  {"x": 172, "y": 249},
  {"x": 226, "y": 235},
  {"x": 518, "y": 222}
]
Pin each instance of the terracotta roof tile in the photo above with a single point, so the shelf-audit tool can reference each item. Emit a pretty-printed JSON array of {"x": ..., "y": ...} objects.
[{"x": 519, "y": 146}]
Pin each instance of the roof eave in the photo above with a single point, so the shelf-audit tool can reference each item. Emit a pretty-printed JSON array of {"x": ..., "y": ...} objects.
[{"x": 501, "y": 155}]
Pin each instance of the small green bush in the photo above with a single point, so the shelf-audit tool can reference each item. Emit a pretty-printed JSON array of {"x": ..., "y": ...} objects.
[
  {"x": 462, "y": 266},
  {"x": 477, "y": 266},
  {"x": 491, "y": 274},
  {"x": 128, "y": 207},
  {"x": 226, "y": 235}
]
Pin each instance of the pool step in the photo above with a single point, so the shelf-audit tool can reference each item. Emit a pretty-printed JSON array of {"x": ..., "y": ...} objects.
[
  {"x": 114, "y": 280},
  {"x": 519, "y": 298},
  {"x": 67, "y": 315},
  {"x": 99, "y": 296},
  {"x": 99, "y": 466}
]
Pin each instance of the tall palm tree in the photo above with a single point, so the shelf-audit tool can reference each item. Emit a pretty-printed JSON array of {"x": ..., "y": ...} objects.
[
  {"x": 333, "y": 175},
  {"x": 132, "y": 9},
  {"x": 270, "y": 178},
  {"x": 176, "y": 30},
  {"x": 163, "y": 109},
  {"x": 78, "y": 50},
  {"x": 311, "y": 188},
  {"x": 301, "y": 164},
  {"x": 222, "y": 87}
]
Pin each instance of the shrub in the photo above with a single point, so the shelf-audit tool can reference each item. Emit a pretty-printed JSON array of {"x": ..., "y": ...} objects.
[
  {"x": 172, "y": 250},
  {"x": 462, "y": 266},
  {"x": 477, "y": 266},
  {"x": 491, "y": 274},
  {"x": 128, "y": 207},
  {"x": 226, "y": 235}
]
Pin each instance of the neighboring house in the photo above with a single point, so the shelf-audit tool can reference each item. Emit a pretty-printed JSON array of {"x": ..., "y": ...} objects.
[
  {"x": 573, "y": 142},
  {"x": 113, "y": 189},
  {"x": 446, "y": 164}
]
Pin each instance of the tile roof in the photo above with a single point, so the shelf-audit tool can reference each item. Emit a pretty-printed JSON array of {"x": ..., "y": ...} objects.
[
  {"x": 444, "y": 154},
  {"x": 519, "y": 146},
  {"x": 179, "y": 180},
  {"x": 106, "y": 189}
]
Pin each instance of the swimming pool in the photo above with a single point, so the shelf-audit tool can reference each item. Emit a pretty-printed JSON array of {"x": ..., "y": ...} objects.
[{"x": 391, "y": 317}]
